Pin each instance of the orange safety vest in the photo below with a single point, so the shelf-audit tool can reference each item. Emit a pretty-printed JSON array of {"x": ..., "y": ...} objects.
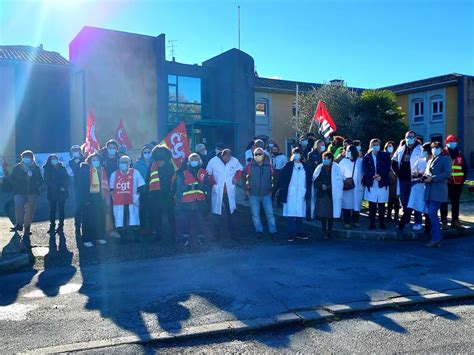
[
  {"x": 194, "y": 192},
  {"x": 457, "y": 175},
  {"x": 154, "y": 178}
]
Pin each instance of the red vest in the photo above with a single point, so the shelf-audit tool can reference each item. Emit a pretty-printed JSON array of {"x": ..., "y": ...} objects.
[
  {"x": 457, "y": 175},
  {"x": 123, "y": 188},
  {"x": 154, "y": 178},
  {"x": 194, "y": 192}
]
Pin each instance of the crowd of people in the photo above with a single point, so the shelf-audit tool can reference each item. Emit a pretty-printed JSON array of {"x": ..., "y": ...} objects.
[{"x": 323, "y": 179}]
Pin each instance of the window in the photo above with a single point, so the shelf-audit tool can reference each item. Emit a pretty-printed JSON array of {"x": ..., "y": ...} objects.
[
  {"x": 418, "y": 111},
  {"x": 261, "y": 108},
  {"x": 293, "y": 109},
  {"x": 184, "y": 98},
  {"x": 437, "y": 108}
]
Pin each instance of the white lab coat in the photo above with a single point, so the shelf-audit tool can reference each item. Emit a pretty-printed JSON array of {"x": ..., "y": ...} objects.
[
  {"x": 337, "y": 185},
  {"x": 417, "y": 193},
  {"x": 295, "y": 205},
  {"x": 134, "y": 216},
  {"x": 376, "y": 194},
  {"x": 279, "y": 161},
  {"x": 223, "y": 174},
  {"x": 352, "y": 199},
  {"x": 398, "y": 155}
]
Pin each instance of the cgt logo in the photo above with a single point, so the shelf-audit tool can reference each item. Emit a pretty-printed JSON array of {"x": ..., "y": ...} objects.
[
  {"x": 178, "y": 147},
  {"x": 122, "y": 186}
]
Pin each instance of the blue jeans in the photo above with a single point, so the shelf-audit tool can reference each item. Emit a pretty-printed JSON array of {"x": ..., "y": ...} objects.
[
  {"x": 295, "y": 226},
  {"x": 405, "y": 190},
  {"x": 266, "y": 202},
  {"x": 433, "y": 207}
]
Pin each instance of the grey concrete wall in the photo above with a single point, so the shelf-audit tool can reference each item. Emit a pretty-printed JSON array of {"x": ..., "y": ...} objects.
[{"x": 120, "y": 81}]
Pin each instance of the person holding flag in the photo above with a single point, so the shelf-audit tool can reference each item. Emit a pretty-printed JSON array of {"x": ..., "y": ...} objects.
[
  {"x": 125, "y": 185},
  {"x": 326, "y": 124}
]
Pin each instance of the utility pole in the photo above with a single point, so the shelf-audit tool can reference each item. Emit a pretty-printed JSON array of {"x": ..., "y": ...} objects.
[
  {"x": 238, "y": 13},
  {"x": 297, "y": 112}
]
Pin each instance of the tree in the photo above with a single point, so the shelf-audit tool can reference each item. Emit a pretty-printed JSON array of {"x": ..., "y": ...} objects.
[
  {"x": 341, "y": 103},
  {"x": 379, "y": 116}
]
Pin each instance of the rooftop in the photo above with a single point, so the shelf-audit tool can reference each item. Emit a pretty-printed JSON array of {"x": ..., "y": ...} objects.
[
  {"x": 31, "y": 54},
  {"x": 441, "y": 80},
  {"x": 279, "y": 85}
]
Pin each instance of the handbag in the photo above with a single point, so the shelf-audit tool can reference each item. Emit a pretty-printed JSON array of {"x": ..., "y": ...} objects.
[{"x": 349, "y": 183}]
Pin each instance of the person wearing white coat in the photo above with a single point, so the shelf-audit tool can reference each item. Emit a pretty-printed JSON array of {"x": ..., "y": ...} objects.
[
  {"x": 293, "y": 190},
  {"x": 403, "y": 162},
  {"x": 125, "y": 184},
  {"x": 353, "y": 192},
  {"x": 327, "y": 193},
  {"x": 224, "y": 171}
]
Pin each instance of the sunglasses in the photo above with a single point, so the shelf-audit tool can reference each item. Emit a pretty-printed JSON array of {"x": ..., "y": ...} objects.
[{"x": 258, "y": 154}]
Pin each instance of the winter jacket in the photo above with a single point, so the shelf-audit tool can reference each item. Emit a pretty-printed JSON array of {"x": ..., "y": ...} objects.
[
  {"x": 383, "y": 168},
  {"x": 285, "y": 178},
  {"x": 24, "y": 183},
  {"x": 57, "y": 182},
  {"x": 259, "y": 178},
  {"x": 439, "y": 168}
]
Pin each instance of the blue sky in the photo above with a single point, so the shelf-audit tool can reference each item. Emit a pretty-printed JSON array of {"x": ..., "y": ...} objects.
[{"x": 367, "y": 43}]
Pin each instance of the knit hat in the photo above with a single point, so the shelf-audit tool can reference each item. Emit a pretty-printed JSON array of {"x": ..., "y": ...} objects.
[{"x": 451, "y": 138}]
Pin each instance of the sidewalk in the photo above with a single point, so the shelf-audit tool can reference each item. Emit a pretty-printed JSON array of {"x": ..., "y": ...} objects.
[{"x": 13, "y": 254}]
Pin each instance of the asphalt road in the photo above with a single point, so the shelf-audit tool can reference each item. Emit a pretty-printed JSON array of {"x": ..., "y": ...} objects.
[{"x": 435, "y": 328}]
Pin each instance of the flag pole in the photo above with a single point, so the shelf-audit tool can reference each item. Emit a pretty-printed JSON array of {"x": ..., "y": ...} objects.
[
  {"x": 297, "y": 111},
  {"x": 238, "y": 10}
]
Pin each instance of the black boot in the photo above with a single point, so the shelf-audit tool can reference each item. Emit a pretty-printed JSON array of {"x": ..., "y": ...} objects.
[
  {"x": 52, "y": 226},
  {"x": 60, "y": 229}
]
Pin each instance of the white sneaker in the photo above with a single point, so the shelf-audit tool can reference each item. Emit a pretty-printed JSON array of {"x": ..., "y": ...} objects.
[
  {"x": 88, "y": 244},
  {"x": 101, "y": 241},
  {"x": 417, "y": 227},
  {"x": 115, "y": 235}
]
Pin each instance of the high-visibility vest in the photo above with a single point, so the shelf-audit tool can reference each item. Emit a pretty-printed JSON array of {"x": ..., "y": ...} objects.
[
  {"x": 457, "y": 175},
  {"x": 154, "y": 178},
  {"x": 194, "y": 191}
]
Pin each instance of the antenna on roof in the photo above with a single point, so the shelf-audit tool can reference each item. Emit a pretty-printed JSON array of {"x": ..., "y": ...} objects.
[
  {"x": 172, "y": 48},
  {"x": 238, "y": 10}
]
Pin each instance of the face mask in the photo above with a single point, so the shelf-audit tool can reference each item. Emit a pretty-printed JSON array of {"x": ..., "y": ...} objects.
[
  {"x": 410, "y": 140},
  {"x": 359, "y": 148},
  {"x": 348, "y": 155},
  {"x": 452, "y": 145},
  {"x": 258, "y": 158},
  {"x": 96, "y": 163},
  {"x": 322, "y": 149},
  {"x": 304, "y": 143},
  {"x": 54, "y": 162},
  {"x": 424, "y": 154},
  {"x": 194, "y": 163},
  {"x": 26, "y": 161},
  {"x": 390, "y": 149},
  {"x": 270, "y": 145},
  {"x": 147, "y": 155},
  {"x": 111, "y": 151},
  {"x": 376, "y": 148},
  {"x": 76, "y": 154},
  {"x": 326, "y": 162},
  {"x": 436, "y": 151},
  {"x": 204, "y": 152},
  {"x": 297, "y": 156},
  {"x": 217, "y": 151},
  {"x": 123, "y": 166}
]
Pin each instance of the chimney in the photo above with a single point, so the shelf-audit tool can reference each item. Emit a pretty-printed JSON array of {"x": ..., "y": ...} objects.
[
  {"x": 40, "y": 47},
  {"x": 337, "y": 82}
]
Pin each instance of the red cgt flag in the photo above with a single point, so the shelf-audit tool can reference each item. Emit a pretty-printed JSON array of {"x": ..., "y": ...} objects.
[
  {"x": 92, "y": 143},
  {"x": 177, "y": 142},
  {"x": 326, "y": 124},
  {"x": 121, "y": 136}
]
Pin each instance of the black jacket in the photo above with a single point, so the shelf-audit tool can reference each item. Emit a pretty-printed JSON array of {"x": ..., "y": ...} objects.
[
  {"x": 76, "y": 167},
  {"x": 285, "y": 178},
  {"x": 165, "y": 195},
  {"x": 57, "y": 182},
  {"x": 383, "y": 168},
  {"x": 22, "y": 183}
]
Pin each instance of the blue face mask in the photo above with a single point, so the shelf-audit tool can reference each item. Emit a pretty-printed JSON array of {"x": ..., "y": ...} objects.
[
  {"x": 424, "y": 154},
  {"x": 304, "y": 143},
  {"x": 194, "y": 163},
  {"x": 297, "y": 156},
  {"x": 452, "y": 145},
  {"x": 26, "y": 161},
  {"x": 436, "y": 151},
  {"x": 54, "y": 162},
  {"x": 322, "y": 148},
  {"x": 326, "y": 162},
  {"x": 376, "y": 148},
  {"x": 410, "y": 140},
  {"x": 348, "y": 155},
  {"x": 96, "y": 163},
  {"x": 390, "y": 149},
  {"x": 123, "y": 166},
  {"x": 76, "y": 155},
  {"x": 111, "y": 151},
  {"x": 359, "y": 148},
  {"x": 147, "y": 155}
]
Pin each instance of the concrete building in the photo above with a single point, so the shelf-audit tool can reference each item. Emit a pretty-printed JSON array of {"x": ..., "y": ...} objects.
[
  {"x": 34, "y": 101},
  {"x": 439, "y": 106},
  {"x": 125, "y": 75}
]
